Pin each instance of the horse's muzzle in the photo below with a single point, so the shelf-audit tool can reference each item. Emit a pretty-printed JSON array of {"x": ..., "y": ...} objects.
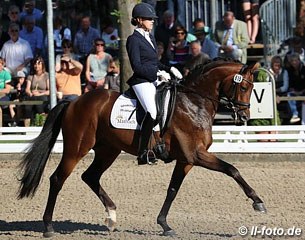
[{"x": 241, "y": 116}]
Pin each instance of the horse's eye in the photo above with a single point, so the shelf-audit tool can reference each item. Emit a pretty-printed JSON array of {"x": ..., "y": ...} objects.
[{"x": 243, "y": 89}]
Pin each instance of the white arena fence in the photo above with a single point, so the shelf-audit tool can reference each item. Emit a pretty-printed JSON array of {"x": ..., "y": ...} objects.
[{"x": 227, "y": 139}]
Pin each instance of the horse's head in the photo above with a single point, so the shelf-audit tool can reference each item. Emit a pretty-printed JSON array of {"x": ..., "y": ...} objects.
[{"x": 237, "y": 88}]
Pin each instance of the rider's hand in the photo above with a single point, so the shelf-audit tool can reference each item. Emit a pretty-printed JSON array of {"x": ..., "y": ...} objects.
[
  {"x": 176, "y": 73},
  {"x": 163, "y": 76}
]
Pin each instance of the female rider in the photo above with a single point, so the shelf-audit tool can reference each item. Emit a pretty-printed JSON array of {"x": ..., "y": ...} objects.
[{"x": 142, "y": 51}]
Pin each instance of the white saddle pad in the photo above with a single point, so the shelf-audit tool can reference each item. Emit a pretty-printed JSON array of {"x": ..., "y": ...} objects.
[{"x": 123, "y": 114}]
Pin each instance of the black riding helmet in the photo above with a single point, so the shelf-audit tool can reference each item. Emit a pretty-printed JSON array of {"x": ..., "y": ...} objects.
[{"x": 143, "y": 10}]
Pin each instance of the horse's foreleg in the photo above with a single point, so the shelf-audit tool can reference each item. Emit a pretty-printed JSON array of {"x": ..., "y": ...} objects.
[
  {"x": 57, "y": 180},
  {"x": 179, "y": 173},
  {"x": 211, "y": 162},
  {"x": 103, "y": 159}
]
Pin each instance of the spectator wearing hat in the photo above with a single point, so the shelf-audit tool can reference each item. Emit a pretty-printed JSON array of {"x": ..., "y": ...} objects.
[
  {"x": 207, "y": 45},
  {"x": 198, "y": 23},
  {"x": 68, "y": 81}
]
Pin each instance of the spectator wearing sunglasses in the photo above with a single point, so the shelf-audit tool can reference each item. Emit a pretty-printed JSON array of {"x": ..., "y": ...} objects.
[
  {"x": 67, "y": 51},
  {"x": 14, "y": 15},
  {"x": 178, "y": 48},
  {"x": 97, "y": 65}
]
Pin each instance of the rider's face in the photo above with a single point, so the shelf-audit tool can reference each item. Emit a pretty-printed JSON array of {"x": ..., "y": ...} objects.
[{"x": 147, "y": 23}]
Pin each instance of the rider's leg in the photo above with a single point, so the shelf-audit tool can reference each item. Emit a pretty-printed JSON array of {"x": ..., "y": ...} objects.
[{"x": 146, "y": 94}]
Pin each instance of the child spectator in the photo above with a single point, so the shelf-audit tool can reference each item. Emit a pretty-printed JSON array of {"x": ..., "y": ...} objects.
[
  {"x": 112, "y": 80},
  {"x": 19, "y": 96}
]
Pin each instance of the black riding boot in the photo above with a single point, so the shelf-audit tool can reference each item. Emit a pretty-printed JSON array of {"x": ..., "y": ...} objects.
[{"x": 146, "y": 130}]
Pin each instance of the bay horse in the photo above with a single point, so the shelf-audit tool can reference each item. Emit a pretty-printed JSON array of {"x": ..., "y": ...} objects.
[{"x": 85, "y": 125}]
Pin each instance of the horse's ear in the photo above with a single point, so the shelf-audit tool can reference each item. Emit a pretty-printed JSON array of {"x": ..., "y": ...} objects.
[{"x": 254, "y": 66}]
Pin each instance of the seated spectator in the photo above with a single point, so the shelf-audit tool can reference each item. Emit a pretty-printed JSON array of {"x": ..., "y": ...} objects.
[
  {"x": 280, "y": 75},
  {"x": 97, "y": 66},
  {"x": 5, "y": 79},
  {"x": 207, "y": 45},
  {"x": 296, "y": 73},
  {"x": 162, "y": 54},
  {"x": 196, "y": 57},
  {"x": 112, "y": 80},
  {"x": 281, "y": 79},
  {"x": 18, "y": 96},
  {"x": 178, "y": 48},
  {"x": 85, "y": 37},
  {"x": 37, "y": 88},
  {"x": 198, "y": 23},
  {"x": 111, "y": 37},
  {"x": 14, "y": 15},
  {"x": 232, "y": 38},
  {"x": 4, "y": 37},
  {"x": 68, "y": 81},
  {"x": 295, "y": 46},
  {"x": 67, "y": 51},
  {"x": 29, "y": 9},
  {"x": 16, "y": 52},
  {"x": 60, "y": 33},
  {"x": 166, "y": 29},
  {"x": 33, "y": 35}
]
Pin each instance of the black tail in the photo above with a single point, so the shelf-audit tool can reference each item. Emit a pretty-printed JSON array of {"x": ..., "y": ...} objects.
[{"x": 34, "y": 161}]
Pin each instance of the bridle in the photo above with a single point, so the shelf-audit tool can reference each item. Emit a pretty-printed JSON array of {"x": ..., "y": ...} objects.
[
  {"x": 230, "y": 101},
  {"x": 237, "y": 79}
]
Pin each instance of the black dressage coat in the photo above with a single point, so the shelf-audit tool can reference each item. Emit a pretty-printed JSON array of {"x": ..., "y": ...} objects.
[{"x": 143, "y": 59}]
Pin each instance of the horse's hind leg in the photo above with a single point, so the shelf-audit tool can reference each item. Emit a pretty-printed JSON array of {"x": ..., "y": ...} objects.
[
  {"x": 104, "y": 157},
  {"x": 179, "y": 173},
  {"x": 210, "y": 161},
  {"x": 57, "y": 180}
]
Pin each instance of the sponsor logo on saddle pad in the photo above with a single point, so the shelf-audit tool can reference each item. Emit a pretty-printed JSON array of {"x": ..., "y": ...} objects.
[{"x": 123, "y": 114}]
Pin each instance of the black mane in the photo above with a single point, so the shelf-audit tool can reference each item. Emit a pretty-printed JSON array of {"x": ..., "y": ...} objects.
[{"x": 208, "y": 65}]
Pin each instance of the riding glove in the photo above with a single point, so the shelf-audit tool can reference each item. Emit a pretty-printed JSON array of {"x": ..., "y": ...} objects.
[
  {"x": 176, "y": 73},
  {"x": 163, "y": 76}
]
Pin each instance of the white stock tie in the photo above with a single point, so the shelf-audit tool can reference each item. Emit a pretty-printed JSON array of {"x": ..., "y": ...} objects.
[{"x": 147, "y": 37}]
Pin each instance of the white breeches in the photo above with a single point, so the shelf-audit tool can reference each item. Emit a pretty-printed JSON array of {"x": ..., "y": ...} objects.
[{"x": 146, "y": 93}]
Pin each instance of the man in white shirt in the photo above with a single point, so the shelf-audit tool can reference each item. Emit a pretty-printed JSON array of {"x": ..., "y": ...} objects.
[{"x": 16, "y": 52}]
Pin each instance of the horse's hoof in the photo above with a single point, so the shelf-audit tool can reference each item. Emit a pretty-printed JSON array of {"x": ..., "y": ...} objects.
[
  {"x": 169, "y": 233},
  {"x": 260, "y": 207},
  {"x": 110, "y": 224},
  {"x": 48, "y": 234}
]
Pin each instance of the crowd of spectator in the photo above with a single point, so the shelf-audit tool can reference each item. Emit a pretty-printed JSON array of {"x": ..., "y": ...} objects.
[{"x": 87, "y": 57}]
